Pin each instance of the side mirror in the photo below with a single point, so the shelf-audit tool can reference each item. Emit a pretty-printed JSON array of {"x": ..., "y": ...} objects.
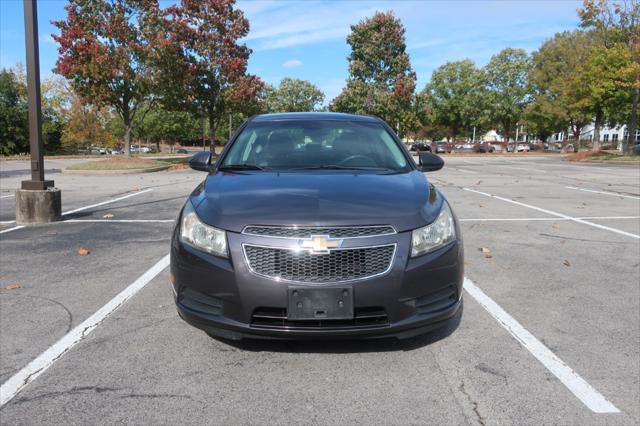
[
  {"x": 429, "y": 162},
  {"x": 201, "y": 161}
]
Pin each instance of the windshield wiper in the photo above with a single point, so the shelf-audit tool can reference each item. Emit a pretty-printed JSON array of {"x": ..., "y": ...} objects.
[
  {"x": 240, "y": 167},
  {"x": 336, "y": 167}
]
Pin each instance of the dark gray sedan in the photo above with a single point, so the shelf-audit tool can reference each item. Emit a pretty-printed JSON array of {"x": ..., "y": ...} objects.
[{"x": 316, "y": 225}]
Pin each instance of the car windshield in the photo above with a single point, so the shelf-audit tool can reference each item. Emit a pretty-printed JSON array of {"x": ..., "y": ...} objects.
[{"x": 315, "y": 144}]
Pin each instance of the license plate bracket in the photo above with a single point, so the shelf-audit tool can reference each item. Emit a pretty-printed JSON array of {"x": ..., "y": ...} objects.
[{"x": 306, "y": 303}]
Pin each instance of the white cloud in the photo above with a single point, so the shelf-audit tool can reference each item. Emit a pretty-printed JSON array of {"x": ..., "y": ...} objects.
[
  {"x": 292, "y": 63},
  {"x": 285, "y": 24}
]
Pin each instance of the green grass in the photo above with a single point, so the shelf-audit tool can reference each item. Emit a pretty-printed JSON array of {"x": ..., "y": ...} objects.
[
  {"x": 617, "y": 157},
  {"x": 118, "y": 164},
  {"x": 176, "y": 160}
]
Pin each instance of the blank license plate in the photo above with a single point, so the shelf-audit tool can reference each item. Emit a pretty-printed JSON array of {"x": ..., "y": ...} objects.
[{"x": 321, "y": 303}]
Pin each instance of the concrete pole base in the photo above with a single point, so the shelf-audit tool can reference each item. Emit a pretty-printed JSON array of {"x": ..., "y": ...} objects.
[{"x": 38, "y": 206}]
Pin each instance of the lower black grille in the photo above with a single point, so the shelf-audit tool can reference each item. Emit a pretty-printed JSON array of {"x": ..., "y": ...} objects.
[
  {"x": 304, "y": 266},
  {"x": 200, "y": 302},
  {"x": 277, "y": 318},
  {"x": 437, "y": 301}
]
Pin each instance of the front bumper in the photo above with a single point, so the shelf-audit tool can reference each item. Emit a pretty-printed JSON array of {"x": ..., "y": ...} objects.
[{"x": 222, "y": 296}]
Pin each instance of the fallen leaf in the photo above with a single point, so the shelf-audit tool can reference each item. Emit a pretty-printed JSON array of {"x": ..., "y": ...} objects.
[
  {"x": 488, "y": 256},
  {"x": 556, "y": 226},
  {"x": 484, "y": 249},
  {"x": 480, "y": 205},
  {"x": 566, "y": 263},
  {"x": 108, "y": 216},
  {"x": 11, "y": 287},
  {"x": 479, "y": 182},
  {"x": 83, "y": 251}
]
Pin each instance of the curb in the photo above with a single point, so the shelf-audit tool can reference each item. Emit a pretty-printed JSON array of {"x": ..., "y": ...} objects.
[{"x": 68, "y": 171}]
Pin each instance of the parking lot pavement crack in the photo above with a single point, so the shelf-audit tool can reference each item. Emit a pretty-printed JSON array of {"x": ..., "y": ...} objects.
[
  {"x": 542, "y": 234},
  {"x": 73, "y": 391},
  {"x": 451, "y": 385},
  {"x": 155, "y": 395},
  {"x": 60, "y": 304},
  {"x": 474, "y": 404}
]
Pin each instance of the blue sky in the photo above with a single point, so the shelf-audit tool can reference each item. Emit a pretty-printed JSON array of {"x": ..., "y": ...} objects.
[{"x": 307, "y": 39}]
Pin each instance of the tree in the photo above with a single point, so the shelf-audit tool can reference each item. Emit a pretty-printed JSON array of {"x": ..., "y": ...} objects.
[
  {"x": 617, "y": 27},
  {"x": 560, "y": 99},
  {"x": 14, "y": 133},
  {"x": 158, "y": 125},
  {"x": 455, "y": 96},
  {"x": 104, "y": 52},
  {"x": 14, "y": 136},
  {"x": 294, "y": 95},
  {"x": 507, "y": 89},
  {"x": 202, "y": 66},
  {"x": 381, "y": 81}
]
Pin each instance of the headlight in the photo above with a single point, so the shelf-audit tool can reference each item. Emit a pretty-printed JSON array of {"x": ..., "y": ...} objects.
[
  {"x": 435, "y": 235},
  {"x": 201, "y": 236}
]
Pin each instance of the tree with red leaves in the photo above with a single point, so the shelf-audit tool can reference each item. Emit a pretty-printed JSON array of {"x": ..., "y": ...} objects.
[
  {"x": 203, "y": 65},
  {"x": 104, "y": 52}
]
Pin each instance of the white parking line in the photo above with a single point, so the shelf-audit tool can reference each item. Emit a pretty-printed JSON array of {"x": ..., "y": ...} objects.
[
  {"x": 586, "y": 393},
  {"x": 15, "y": 228},
  {"x": 118, "y": 220},
  {"x": 517, "y": 168},
  {"x": 615, "y": 194},
  {"x": 464, "y": 170},
  {"x": 107, "y": 202},
  {"x": 22, "y": 378},
  {"x": 574, "y": 219},
  {"x": 6, "y": 196},
  {"x": 552, "y": 219}
]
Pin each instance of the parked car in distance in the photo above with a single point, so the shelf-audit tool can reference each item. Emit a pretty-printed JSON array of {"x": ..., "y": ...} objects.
[
  {"x": 467, "y": 147},
  {"x": 116, "y": 152},
  {"x": 484, "y": 147},
  {"x": 636, "y": 149},
  {"x": 98, "y": 151},
  {"x": 420, "y": 146},
  {"x": 181, "y": 151},
  {"x": 295, "y": 233},
  {"x": 441, "y": 147},
  {"x": 519, "y": 147}
]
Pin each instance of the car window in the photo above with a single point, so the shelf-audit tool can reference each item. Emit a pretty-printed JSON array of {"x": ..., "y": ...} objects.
[{"x": 295, "y": 144}]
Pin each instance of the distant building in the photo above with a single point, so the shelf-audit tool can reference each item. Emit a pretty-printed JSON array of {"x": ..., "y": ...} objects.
[
  {"x": 492, "y": 136},
  {"x": 608, "y": 135}
]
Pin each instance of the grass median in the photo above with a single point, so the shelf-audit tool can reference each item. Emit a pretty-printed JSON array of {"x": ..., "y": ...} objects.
[
  {"x": 603, "y": 156},
  {"x": 127, "y": 165}
]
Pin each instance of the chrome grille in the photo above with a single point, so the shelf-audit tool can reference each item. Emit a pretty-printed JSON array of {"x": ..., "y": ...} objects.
[
  {"x": 332, "y": 232},
  {"x": 303, "y": 266}
]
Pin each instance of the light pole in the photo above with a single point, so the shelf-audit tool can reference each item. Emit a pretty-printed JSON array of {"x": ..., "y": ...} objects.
[{"x": 37, "y": 201}]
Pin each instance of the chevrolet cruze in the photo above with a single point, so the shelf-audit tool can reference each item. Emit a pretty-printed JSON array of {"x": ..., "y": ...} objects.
[{"x": 316, "y": 225}]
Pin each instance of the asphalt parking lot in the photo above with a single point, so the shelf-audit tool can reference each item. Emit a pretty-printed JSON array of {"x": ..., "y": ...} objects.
[{"x": 550, "y": 331}]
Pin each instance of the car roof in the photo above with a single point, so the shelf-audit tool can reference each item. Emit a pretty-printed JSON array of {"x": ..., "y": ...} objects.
[{"x": 314, "y": 116}]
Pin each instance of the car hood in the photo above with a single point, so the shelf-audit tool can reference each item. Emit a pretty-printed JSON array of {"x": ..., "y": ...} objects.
[{"x": 231, "y": 201}]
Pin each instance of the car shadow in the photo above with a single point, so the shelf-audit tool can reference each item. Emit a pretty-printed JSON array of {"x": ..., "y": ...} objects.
[{"x": 347, "y": 346}]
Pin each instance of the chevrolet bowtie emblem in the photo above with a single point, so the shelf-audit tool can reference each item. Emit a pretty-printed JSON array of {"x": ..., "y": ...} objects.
[{"x": 319, "y": 243}]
